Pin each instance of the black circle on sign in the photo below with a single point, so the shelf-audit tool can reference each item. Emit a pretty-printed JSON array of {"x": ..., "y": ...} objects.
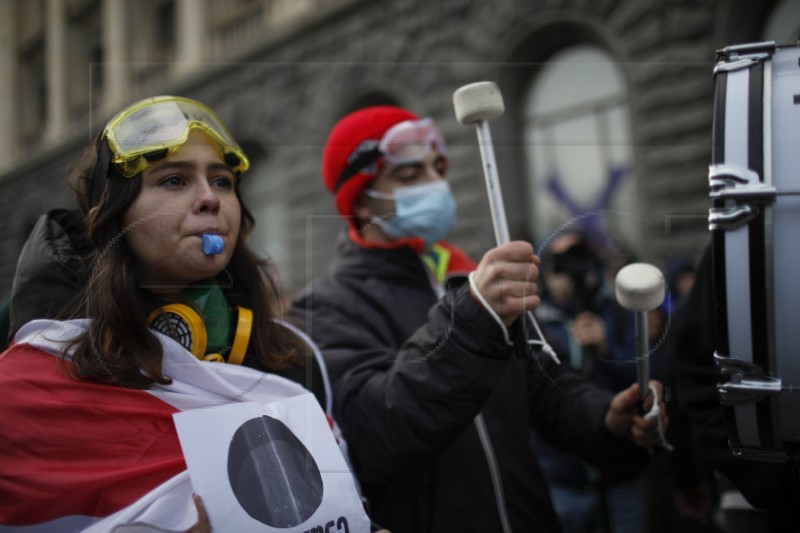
[{"x": 272, "y": 474}]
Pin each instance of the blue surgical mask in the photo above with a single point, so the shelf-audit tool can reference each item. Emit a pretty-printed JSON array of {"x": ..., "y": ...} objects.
[{"x": 426, "y": 211}]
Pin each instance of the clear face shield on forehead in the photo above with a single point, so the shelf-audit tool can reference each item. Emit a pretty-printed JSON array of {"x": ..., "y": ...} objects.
[
  {"x": 411, "y": 141},
  {"x": 156, "y": 127},
  {"x": 404, "y": 143}
]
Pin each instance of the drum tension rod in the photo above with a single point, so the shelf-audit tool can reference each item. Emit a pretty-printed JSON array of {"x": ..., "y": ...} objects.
[{"x": 744, "y": 382}]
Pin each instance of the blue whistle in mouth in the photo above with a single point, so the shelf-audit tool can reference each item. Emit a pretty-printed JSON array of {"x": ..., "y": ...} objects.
[{"x": 212, "y": 244}]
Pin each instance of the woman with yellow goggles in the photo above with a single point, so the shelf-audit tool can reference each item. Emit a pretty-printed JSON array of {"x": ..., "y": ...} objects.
[
  {"x": 155, "y": 128},
  {"x": 160, "y": 198}
]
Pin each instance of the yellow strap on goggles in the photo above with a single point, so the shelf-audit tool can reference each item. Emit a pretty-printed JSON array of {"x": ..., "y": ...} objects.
[{"x": 156, "y": 127}]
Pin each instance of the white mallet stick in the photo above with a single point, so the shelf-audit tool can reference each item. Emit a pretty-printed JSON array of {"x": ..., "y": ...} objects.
[
  {"x": 640, "y": 288},
  {"x": 477, "y": 104}
]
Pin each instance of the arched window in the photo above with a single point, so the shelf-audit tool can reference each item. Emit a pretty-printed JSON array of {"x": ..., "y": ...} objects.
[
  {"x": 783, "y": 23},
  {"x": 578, "y": 147}
]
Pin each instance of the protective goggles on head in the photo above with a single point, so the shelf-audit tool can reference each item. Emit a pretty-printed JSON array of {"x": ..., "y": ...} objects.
[
  {"x": 154, "y": 128},
  {"x": 411, "y": 141},
  {"x": 406, "y": 142}
]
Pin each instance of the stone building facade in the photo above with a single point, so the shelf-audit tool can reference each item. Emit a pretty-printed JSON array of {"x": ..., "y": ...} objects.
[{"x": 281, "y": 72}]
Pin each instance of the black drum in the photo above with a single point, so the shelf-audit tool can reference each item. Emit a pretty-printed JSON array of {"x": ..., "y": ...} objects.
[{"x": 754, "y": 218}]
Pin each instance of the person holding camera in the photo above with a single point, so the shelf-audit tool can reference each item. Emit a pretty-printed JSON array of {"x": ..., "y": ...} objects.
[{"x": 581, "y": 319}]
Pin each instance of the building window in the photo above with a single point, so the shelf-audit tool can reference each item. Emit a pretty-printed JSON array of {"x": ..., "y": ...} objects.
[
  {"x": 31, "y": 68},
  {"x": 154, "y": 46},
  {"x": 235, "y": 24},
  {"x": 32, "y": 90},
  {"x": 578, "y": 147},
  {"x": 30, "y": 20},
  {"x": 165, "y": 27},
  {"x": 84, "y": 60},
  {"x": 155, "y": 35}
]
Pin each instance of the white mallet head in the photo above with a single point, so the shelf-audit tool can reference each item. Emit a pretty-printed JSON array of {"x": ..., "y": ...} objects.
[
  {"x": 478, "y": 101},
  {"x": 640, "y": 287}
]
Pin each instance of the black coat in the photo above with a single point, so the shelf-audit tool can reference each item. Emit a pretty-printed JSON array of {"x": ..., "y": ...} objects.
[
  {"x": 410, "y": 373},
  {"x": 690, "y": 348},
  {"x": 52, "y": 268}
]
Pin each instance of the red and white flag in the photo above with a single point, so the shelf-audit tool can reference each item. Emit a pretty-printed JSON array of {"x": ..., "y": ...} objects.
[{"x": 78, "y": 456}]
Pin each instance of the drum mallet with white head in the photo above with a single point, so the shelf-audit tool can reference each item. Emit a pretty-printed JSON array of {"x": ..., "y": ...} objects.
[
  {"x": 477, "y": 104},
  {"x": 640, "y": 288}
]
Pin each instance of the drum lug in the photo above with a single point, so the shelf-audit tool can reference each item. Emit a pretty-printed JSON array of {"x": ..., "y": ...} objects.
[
  {"x": 738, "y": 185},
  {"x": 742, "y": 56},
  {"x": 754, "y": 193},
  {"x": 743, "y": 382},
  {"x": 739, "y": 64},
  {"x": 731, "y": 218},
  {"x": 762, "y": 49},
  {"x": 758, "y": 454}
]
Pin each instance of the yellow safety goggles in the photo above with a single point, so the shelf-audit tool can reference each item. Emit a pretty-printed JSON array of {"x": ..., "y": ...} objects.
[{"x": 156, "y": 127}]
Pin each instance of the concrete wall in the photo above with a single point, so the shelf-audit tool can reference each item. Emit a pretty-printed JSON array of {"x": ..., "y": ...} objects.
[{"x": 283, "y": 95}]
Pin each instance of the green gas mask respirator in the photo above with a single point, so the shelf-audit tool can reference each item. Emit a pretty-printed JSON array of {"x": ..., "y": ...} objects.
[{"x": 207, "y": 328}]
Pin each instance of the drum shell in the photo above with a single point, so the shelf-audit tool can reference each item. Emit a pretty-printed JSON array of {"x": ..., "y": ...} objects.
[{"x": 757, "y": 262}]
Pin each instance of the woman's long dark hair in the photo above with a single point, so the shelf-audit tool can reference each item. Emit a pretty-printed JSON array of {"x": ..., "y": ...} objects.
[{"x": 117, "y": 346}]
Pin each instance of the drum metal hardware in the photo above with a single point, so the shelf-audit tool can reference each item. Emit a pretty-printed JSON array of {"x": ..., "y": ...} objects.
[
  {"x": 736, "y": 182},
  {"x": 741, "y": 186},
  {"x": 754, "y": 188},
  {"x": 744, "y": 62},
  {"x": 742, "y": 56},
  {"x": 744, "y": 382},
  {"x": 764, "y": 48},
  {"x": 758, "y": 454},
  {"x": 730, "y": 218},
  {"x": 754, "y": 193}
]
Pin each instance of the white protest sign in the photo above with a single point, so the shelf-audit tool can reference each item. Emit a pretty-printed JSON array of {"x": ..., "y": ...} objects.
[{"x": 270, "y": 468}]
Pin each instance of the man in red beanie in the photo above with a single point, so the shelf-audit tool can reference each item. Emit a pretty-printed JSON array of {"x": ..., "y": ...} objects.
[{"x": 432, "y": 400}]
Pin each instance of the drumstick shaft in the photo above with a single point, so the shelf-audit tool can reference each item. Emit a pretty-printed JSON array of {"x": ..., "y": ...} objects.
[
  {"x": 642, "y": 355},
  {"x": 492, "y": 182},
  {"x": 499, "y": 212}
]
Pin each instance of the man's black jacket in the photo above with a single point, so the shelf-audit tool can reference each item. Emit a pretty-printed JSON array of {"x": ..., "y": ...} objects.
[{"x": 411, "y": 372}]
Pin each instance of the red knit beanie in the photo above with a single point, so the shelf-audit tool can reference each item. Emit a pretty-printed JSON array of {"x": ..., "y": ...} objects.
[{"x": 347, "y": 137}]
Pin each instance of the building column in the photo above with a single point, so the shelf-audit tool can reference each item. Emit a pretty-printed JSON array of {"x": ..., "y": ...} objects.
[
  {"x": 116, "y": 65},
  {"x": 56, "y": 62},
  {"x": 191, "y": 21},
  {"x": 8, "y": 84}
]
